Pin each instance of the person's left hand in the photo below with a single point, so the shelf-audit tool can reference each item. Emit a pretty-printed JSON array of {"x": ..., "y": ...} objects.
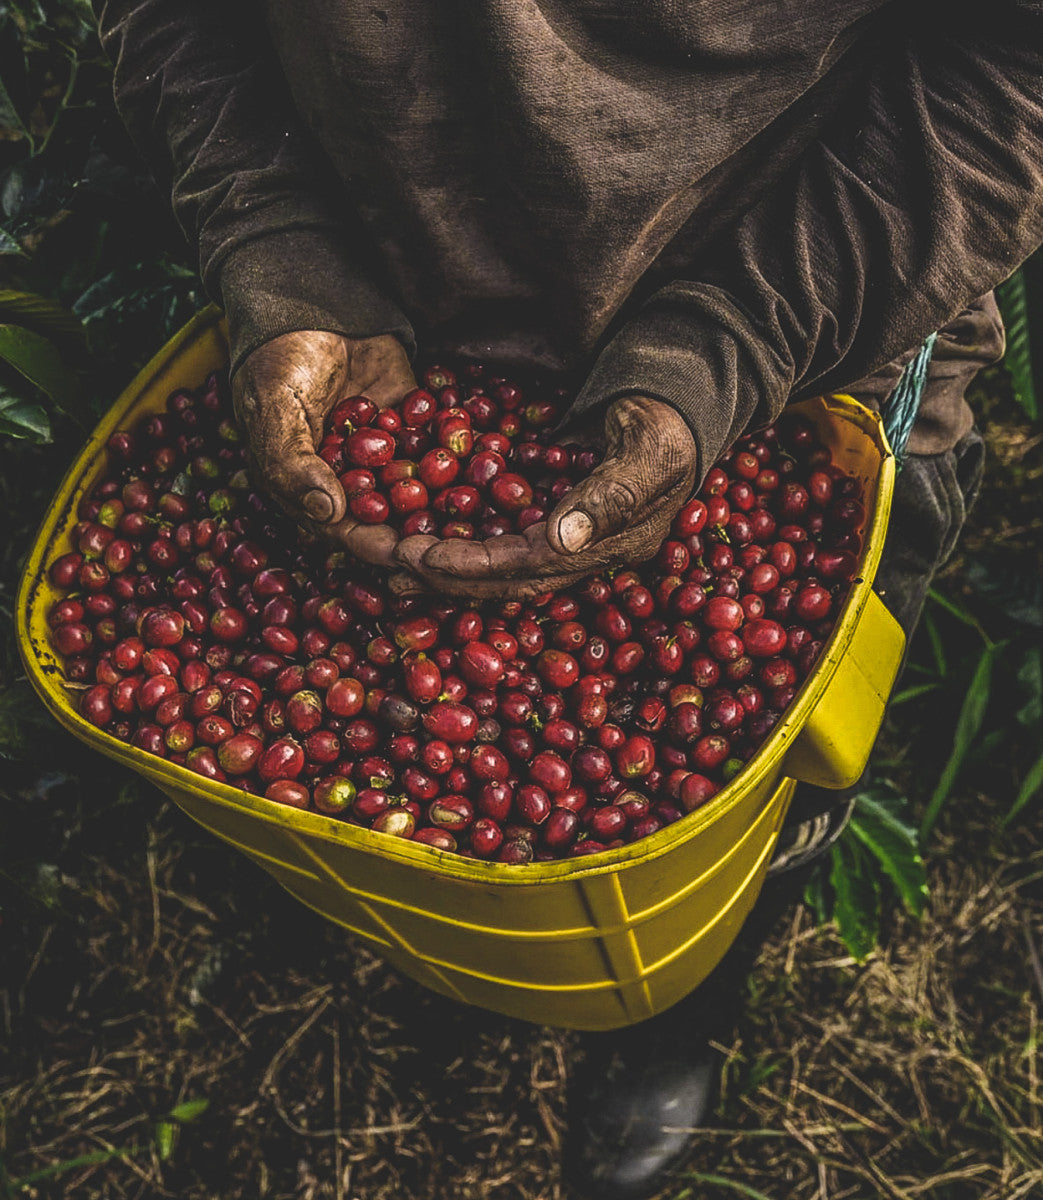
[{"x": 619, "y": 515}]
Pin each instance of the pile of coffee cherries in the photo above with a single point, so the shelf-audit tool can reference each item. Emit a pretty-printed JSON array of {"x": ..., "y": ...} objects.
[
  {"x": 454, "y": 463},
  {"x": 195, "y": 624}
]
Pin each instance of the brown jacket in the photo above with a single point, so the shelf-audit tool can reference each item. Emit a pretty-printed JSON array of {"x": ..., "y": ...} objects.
[{"x": 720, "y": 203}]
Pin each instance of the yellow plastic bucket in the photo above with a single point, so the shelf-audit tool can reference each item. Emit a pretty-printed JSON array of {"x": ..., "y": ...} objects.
[{"x": 586, "y": 943}]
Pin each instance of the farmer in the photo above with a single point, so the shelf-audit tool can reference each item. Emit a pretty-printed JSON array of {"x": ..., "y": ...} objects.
[{"x": 699, "y": 211}]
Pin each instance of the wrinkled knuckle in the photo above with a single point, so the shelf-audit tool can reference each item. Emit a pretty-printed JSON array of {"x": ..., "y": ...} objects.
[
  {"x": 679, "y": 452},
  {"x": 297, "y": 445},
  {"x": 646, "y": 546},
  {"x": 617, "y": 496},
  {"x": 280, "y": 473},
  {"x": 628, "y": 408},
  {"x": 454, "y": 571},
  {"x": 454, "y": 566}
]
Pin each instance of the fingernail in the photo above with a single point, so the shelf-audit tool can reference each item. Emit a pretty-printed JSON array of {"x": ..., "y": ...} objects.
[
  {"x": 317, "y": 505},
  {"x": 575, "y": 529}
]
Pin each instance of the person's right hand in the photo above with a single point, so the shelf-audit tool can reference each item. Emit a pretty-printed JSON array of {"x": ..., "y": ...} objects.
[
  {"x": 617, "y": 516},
  {"x": 283, "y": 394}
]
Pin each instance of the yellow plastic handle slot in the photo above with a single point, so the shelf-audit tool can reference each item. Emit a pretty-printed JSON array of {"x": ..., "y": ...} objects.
[{"x": 834, "y": 745}]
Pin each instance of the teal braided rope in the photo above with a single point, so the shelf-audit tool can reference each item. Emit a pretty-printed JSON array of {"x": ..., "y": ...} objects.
[{"x": 900, "y": 408}]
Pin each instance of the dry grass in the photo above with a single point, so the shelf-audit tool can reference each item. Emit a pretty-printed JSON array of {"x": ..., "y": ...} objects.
[
  {"x": 913, "y": 1075},
  {"x": 327, "y": 1074}
]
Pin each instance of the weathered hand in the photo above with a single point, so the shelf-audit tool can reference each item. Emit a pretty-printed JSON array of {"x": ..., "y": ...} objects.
[
  {"x": 618, "y": 515},
  {"x": 283, "y": 394}
]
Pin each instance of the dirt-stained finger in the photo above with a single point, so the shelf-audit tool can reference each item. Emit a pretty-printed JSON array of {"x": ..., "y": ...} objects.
[{"x": 374, "y": 544}]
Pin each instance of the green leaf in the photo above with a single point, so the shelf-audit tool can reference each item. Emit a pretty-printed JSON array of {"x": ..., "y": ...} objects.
[
  {"x": 31, "y": 15},
  {"x": 9, "y": 117},
  {"x": 1011, "y": 582},
  {"x": 130, "y": 312},
  {"x": 21, "y": 418},
  {"x": 165, "y": 1134},
  {"x": 149, "y": 289},
  {"x": 915, "y": 668},
  {"x": 41, "y": 315},
  {"x": 1030, "y": 676},
  {"x": 956, "y": 610},
  {"x": 911, "y": 693},
  {"x": 742, "y": 1189},
  {"x": 815, "y": 895},
  {"x": 1030, "y": 785},
  {"x": 9, "y": 245},
  {"x": 165, "y": 1131},
  {"x": 856, "y": 908},
  {"x": 972, "y": 713},
  {"x": 74, "y": 23},
  {"x": 37, "y": 358},
  {"x": 1012, "y": 296},
  {"x": 987, "y": 746},
  {"x": 34, "y": 193},
  {"x": 13, "y": 76},
  {"x": 937, "y": 648},
  {"x": 188, "y": 1111},
  {"x": 895, "y": 847},
  {"x": 72, "y": 1164}
]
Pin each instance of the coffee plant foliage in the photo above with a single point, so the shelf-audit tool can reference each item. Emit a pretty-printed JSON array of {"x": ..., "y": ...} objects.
[
  {"x": 94, "y": 274},
  {"x": 969, "y": 699},
  {"x": 1021, "y": 302}
]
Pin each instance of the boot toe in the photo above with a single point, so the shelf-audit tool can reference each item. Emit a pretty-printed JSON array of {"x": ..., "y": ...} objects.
[{"x": 632, "y": 1126}]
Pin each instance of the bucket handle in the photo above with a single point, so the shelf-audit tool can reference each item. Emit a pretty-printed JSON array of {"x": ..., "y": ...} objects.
[{"x": 835, "y": 742}]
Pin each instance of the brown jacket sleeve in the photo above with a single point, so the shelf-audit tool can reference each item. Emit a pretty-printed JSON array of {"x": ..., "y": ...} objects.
[
  {"x": 209, "y": 110},
  {"x": 923, "y": 195}
]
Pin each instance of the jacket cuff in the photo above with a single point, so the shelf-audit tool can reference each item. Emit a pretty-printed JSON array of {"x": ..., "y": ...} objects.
[
  {"x": 686, "y": 347},
  {"x": 298, "y": 279}
]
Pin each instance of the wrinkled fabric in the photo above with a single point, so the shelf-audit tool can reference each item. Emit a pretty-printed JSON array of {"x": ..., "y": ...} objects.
[
  {"x": 974, "y": 340},
  {"x": 717, "y": 203},
  {"x": 932, "y": 497}
]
